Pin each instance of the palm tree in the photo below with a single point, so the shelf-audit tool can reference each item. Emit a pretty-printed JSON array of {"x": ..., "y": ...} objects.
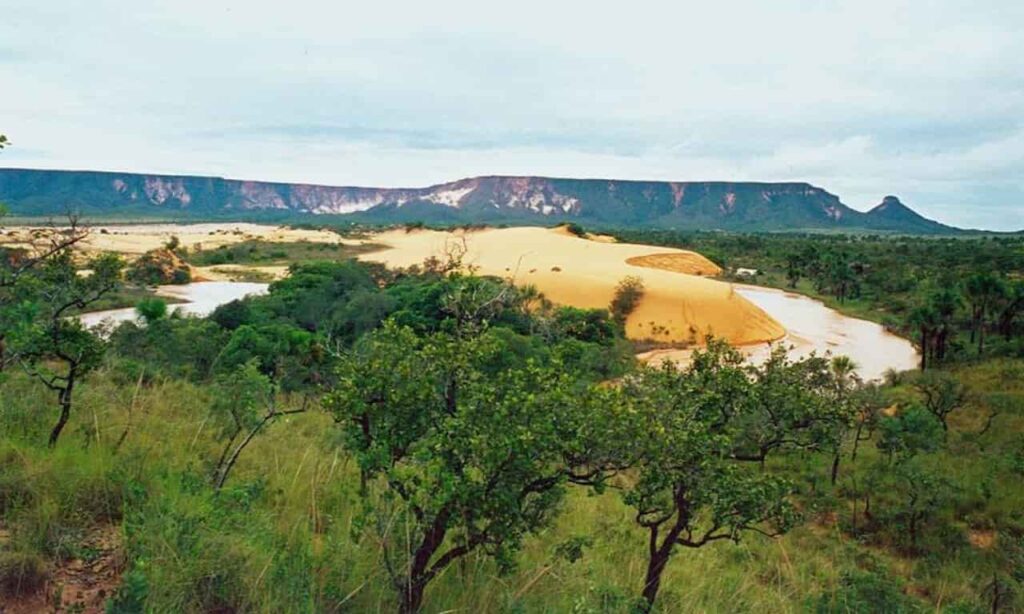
[
  {"x": 1009, "y": 306},
  {"x": 982, "y": 290},
  {"x": 925, "y": 321},
  {"x": 945, "y": 303}
]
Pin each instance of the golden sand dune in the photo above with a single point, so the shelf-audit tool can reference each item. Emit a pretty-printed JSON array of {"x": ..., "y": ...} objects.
[
  {"x": 569, "y": 270},
  {"x": 690, "y": 263}
]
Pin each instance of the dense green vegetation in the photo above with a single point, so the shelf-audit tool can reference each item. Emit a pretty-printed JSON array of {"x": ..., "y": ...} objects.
[{"x": 366, "y": 439}]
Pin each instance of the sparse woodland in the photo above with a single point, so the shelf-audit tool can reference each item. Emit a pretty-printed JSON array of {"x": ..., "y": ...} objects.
[{"x": 431, "y": 440}]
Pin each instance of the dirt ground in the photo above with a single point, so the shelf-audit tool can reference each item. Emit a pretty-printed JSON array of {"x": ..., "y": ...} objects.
[{"x": 78, "y": 585}]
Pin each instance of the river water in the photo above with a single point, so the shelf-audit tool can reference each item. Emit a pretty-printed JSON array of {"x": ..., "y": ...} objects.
[
  {"x": 199, "y": 299},
  {"x": 811, "y": 326}
]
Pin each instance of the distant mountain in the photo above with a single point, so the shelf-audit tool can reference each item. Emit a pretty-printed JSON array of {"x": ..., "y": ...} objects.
[
  {"x": 892, "y": 213},
  {"x": 516, "y": 200}
]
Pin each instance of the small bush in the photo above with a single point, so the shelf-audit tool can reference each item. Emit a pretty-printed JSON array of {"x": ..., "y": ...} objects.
[
  {"x": 151, "y": 309},
  {"x": 864, "y": 591},
  {"x": 131, "y": 596},
  {"x": 627, "y": 296},
  {"x": 576, "y": 229}
]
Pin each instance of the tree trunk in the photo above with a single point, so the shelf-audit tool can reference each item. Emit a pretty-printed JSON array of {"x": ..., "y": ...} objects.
[
  {"x": 416, "y": 582},
  {"x": 412, "y": 597},
  {"x": 657, "y": 560},
  {"x": 835, "y": 467},
  {"x": 857, "y": 439},
  {"x": 64, "y": 398},
  {"x": 652, "y": 580},
  {"x": 658, "y": 554}
]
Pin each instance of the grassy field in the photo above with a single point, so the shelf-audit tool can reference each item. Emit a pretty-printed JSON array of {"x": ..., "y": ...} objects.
[{"x": 282, "y": 536}]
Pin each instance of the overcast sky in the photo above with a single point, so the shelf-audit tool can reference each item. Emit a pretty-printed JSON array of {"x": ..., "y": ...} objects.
[{"x": 922, "y": 99}]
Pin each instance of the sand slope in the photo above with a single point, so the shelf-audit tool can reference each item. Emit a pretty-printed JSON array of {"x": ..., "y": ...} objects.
[
  {"x": 136, "y": 239},
  {"x": 569, "y": 270}
]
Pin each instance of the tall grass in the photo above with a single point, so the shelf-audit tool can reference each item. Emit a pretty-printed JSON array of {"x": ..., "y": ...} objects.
[{"x": 283, "y": 536}]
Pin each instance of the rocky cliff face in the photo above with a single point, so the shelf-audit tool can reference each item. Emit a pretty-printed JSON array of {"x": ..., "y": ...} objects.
[{"x": 710, "y": 205}]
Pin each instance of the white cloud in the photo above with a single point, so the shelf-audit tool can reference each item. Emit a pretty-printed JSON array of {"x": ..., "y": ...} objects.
[{"x": 911, "y": 97}]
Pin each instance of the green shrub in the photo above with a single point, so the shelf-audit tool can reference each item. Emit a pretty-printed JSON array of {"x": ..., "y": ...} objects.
[
  {"x": 131, "y": 595},
  {"x": 576, "y": 229},
  {"x": 152, "y": 309},
  {"x": 627, "y": 296},
  {"x": 865, "y": 591}
]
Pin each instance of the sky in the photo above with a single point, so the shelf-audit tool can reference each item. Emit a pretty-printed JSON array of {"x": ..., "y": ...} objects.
[{"x": 921, "y": 99}]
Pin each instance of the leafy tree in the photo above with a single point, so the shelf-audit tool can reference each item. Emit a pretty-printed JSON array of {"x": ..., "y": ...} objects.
[
  {"x": 917, "y": 494},
  {"x": 844, "y": 384},
  {"x": 909, "y": 432},
  {"x": 468, "y": 459},
  {"x": 151, "y": 309},
  {"x": 19, "y": 278},
  {"x": 787, "y": 404},
  {"x": 695, "y": 428},
  {"x": 233, "y": 314},
  {"x": 244, "y": 403},
  {"x": 869, "y": 402},
  {"x": 280, "y": 350},
  {"x": 174, "y": 346},
  {"x": 942, "y": 394},
  {"x": 49, "y": 336}
]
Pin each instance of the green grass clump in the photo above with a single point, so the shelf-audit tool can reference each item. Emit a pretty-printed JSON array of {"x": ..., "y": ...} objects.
[
  {"x": 285, "y": 534},
  {"x": 21, "y": 573}
]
